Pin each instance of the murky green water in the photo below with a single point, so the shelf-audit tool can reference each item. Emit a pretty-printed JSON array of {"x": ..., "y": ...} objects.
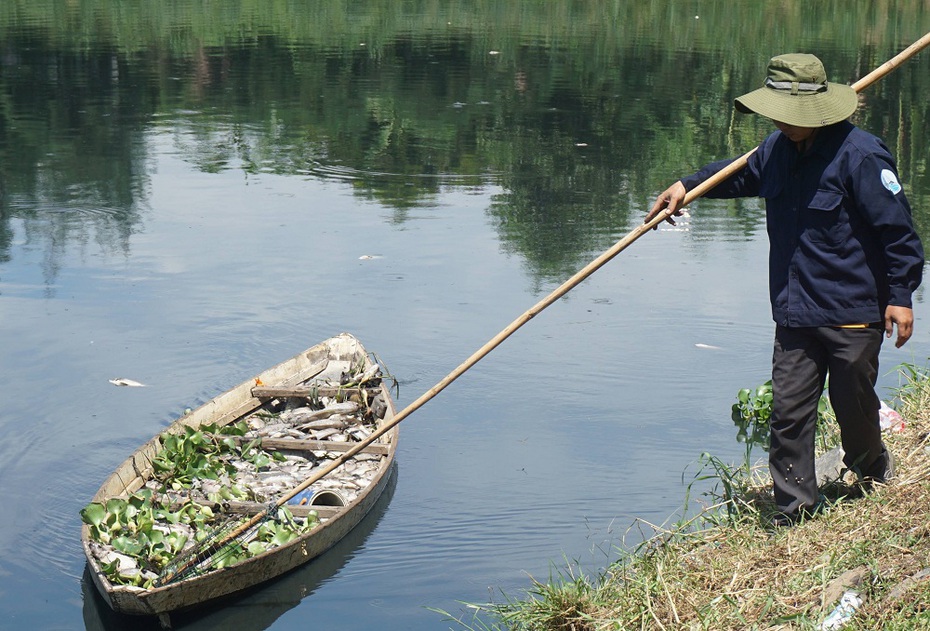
[{"x": 190, "y": 192}]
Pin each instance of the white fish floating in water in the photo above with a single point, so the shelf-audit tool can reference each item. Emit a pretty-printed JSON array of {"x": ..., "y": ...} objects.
[
  {"x": 120, "y": 381},
  {"x": 707, "y": 347}
]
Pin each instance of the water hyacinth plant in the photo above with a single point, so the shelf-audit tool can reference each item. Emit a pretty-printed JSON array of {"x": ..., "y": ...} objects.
[
  {"x": 206, "y": 453},
  {"x": 752, "y": 414},
  {"x": 144, "y": 533}
]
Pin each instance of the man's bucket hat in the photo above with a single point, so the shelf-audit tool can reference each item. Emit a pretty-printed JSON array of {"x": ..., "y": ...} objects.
[{"x": 796, "y": 92}]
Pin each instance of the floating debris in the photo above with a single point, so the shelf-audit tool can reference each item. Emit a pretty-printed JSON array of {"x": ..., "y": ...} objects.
[{"x": 120, "y": 381}]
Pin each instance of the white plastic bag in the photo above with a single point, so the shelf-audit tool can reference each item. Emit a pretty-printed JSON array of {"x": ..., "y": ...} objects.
[
  {"x": 843, "y": 613},
  {"x": 889, "y": 419}
]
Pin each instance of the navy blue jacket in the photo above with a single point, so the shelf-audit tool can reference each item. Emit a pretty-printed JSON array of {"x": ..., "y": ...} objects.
[{"x": 842, "y": 242}]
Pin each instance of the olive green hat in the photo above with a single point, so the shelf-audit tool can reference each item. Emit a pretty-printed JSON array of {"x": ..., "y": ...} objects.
[{"x": 796, "y": 92}]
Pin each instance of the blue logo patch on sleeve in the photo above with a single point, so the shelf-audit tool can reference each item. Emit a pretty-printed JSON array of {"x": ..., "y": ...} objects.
[{"x": 890, "y": 182}]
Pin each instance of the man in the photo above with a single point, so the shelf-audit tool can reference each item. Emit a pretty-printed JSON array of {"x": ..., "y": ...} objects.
[{"x": 844, "y": 260}]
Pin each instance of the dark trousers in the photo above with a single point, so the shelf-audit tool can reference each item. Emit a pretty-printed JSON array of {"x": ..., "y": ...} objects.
[{"x": 802, "y": 359}]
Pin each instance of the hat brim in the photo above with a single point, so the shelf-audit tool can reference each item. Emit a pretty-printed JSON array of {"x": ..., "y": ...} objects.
[{"x": 819, "y": 109}]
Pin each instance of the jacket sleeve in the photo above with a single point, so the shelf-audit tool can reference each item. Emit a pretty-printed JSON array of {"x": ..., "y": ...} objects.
[
  {"x": 881, "y": 201},
  {"x": 743, "y": 183}
]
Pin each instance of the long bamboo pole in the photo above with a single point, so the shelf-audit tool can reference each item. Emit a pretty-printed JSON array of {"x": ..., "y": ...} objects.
[{"x": 530, "y": 313}]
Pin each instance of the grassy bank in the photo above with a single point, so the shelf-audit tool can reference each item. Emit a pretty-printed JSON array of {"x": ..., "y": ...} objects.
[{"x": 727, "y": 569}]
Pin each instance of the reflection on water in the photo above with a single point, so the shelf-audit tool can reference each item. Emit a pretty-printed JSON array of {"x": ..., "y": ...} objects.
[
  {"x": 572, "y": 127},
  {"x": 190, "y": 191}
]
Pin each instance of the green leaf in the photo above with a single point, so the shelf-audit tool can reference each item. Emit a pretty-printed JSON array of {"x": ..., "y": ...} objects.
[
  {"x": 127, "y": 545},
  {"x": 283, "y": 536},
  {"x": 197, "y": 438},
  {"x": 261, "y": 460},
  {"x": 116, "y": 506},
  {"x": 176, "y": 541},
  {"x": 141, "y": 498},
  {"x": 93, "y": 514}
]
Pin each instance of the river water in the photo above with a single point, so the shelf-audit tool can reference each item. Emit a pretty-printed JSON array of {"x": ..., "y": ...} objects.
[{"x": 191, "y": 193}]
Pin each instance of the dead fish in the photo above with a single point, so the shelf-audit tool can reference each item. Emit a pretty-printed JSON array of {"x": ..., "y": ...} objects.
[
  {"x": 346, "y": 408},
  {"x": 274, "y": 427},
  {"x": 126, "y": 563},
  {"x": 335, "y": 422},
  {"x": 707, "y": 347},
  {"x": 210, "y": 486},
  {"x": 372, "y": 372},
  {"x": 360, "y": 434},
  {"x": 275, "y": 477},
  {"x": 121, "y": 381},
  {"x": 296, "y": 459},
  {"x": 323, "y": 434}
]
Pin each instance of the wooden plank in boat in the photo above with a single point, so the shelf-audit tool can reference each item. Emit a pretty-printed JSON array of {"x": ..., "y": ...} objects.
[
  {"x": 271, "y": 392},
  {"x": 298, "y": 444},
  {"x": 254, "y": 508}
]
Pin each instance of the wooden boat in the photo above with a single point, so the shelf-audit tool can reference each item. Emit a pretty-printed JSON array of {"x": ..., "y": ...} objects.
[{"x": 333, "y": 375}]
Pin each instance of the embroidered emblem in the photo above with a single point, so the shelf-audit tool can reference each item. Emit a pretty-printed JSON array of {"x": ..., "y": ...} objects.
[{"x": 890, "y": 182}]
